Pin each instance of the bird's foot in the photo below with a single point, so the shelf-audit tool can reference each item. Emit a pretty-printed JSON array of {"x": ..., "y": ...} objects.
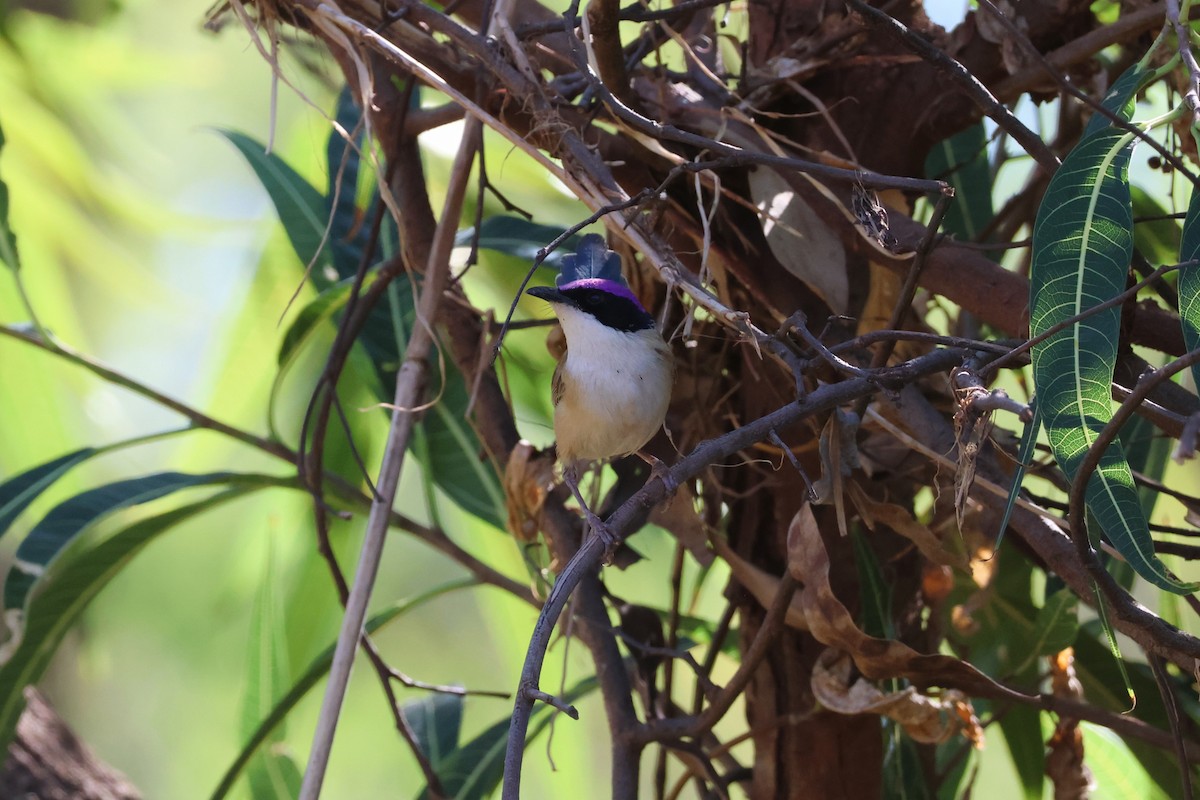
[
  {"x": 599, "y": 528},
  {"x": 661, "y": 470}
]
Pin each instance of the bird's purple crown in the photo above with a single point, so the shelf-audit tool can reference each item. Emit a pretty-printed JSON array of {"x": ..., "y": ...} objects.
[{"x": 604, "y": 285}]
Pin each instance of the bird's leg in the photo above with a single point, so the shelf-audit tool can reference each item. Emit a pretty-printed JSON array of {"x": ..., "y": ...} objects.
[
  {"x": 611, "y": 542},
  {"x": 661, "y": 470}
]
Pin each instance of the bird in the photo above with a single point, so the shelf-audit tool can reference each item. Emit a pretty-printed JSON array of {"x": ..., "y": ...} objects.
[{"x": 612, "y": 384}]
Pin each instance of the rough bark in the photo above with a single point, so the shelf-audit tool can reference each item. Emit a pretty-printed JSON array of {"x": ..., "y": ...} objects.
[{"x": 47, "y": 761}]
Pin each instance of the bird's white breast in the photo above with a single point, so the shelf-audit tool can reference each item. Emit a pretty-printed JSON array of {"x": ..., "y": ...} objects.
[{"x": 616, "y": 389}]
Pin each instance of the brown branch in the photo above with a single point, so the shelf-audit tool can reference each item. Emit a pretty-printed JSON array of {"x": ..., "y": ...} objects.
[
  {"x": 410, "y": 388},
  {"x": 588, "y": 558},
  {"x": 967, "y": 82}
]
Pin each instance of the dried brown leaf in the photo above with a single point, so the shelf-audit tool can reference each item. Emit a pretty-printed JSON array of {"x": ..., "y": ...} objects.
[
  {"x": 932, "y": 720},
  {"x": 831, "y": 624},
  {"x": 528, "y": 479},
  {"x": 1065, "y": 766},
  {"x": 900, "y": 520},
  {"x": 839, "y": 458},
  {"x": 799, "y": 239}
]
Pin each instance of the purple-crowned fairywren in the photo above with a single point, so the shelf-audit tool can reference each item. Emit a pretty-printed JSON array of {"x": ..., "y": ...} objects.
[{"x": 612, "y": 385}]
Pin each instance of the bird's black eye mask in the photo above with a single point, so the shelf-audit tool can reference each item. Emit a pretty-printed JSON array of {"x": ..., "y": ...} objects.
[{"x": 614, "y": 310}]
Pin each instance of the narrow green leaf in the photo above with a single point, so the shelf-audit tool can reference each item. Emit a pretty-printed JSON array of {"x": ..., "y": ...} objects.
[
  {"x": 1157, "y": 235},
  {"x": 1114, "y": 647},
  {"x": 8, "y": 240},
  {"x": 300, "y": 207},
  {"x": 1082, "y": 243},
  {"x": 1022, "y": 730},
  {"x": 473, "y": 771},
  {"x": 961, "y": 160},
  {"x": 311, "y": 676},
  {"x": 272, "y": 774},
  {"x": 348, "y": 234},
  {"x": 1189, "y": 280},
  {"x": 1055, "y": 626},
  {"x": 904, "y": 776},
  {"x": 38, "y": 630},
  {"x": 17, "y": 493},
  {"x": 456, "y": 466},
  {"x": 1121, "y": 98},
  {"x": 70, "y": 518},
  {"x": 1024, "y": 459},
  {"x": 436, "y": 720},
  {"x": 516, "y": 236},
  {"x": 875, "y": 591}
]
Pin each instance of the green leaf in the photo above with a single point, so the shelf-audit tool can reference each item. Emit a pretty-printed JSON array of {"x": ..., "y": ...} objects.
[
  {"x": 1055, "y": 626},
  {"x": 348, "y": 234},
  {"x": 1024, "y": 459},
  {"x": 436, "y": 720},
  {"x": 272, "y": 773},
  {"x": 904, "y": 777},
  {"x": 1121, "y": 98},
  {"x": 301, "y": 208},
  {"x": 313, "y": 675},
  {"x": 323, "y": 309},
  {"x": 517, "y": 236},
  {"x": 1148, "y": 452},
  {"x": 1157, "y": 237},
  {"x": 875, "y": 591},
  {"x": 1117, "y": 773},
  {"x": 1022, "y": 730},
  {"x": 1189, "y": 280},
  {"x": 75, "y": 581},
  {"x": 70, "y": 518},
  {"x": 962, "y": 161},
  {"x": 1082, "y": 244},
  {"x": 455, "y": 465},
  {"x": 8, "y": 240},
  {"x": 17, "y": 493},
  {"x": 473, "y": 771}
]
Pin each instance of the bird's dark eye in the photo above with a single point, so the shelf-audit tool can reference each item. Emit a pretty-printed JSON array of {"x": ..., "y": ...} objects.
[{"x": 593, "y": 299}]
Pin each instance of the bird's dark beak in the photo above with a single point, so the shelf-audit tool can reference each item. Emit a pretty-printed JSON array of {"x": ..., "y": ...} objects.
[{"x": 549, "y": 294}]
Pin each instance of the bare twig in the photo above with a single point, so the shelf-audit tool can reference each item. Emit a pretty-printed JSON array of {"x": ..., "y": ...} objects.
[
  {"x": 410, "y": 386},
  {"x": 979, "y": 93},
  {"x": 589, "y": 556}
]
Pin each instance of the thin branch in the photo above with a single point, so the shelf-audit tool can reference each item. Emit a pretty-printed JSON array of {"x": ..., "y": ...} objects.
[
  {"x": 589, "y": 556},
  {"x": 1096, "y": 106},
  {"x": 410, "y": 386},
  {"x": 961, "y": 76},
  {"x": 988, "y": 371}
]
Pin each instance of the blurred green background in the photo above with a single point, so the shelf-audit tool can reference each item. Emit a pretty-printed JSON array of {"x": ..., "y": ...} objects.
[{"x": 148, "y": 243}]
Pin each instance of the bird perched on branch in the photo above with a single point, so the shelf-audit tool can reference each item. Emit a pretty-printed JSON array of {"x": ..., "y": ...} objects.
[{"x": 612, "y": 385}]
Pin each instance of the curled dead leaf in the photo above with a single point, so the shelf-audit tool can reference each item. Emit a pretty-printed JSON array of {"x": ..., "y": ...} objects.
[
  {"x": 528, "y": 479},
  {"x": 832, "y": 624},
  {"x": 932, "y": 720}
]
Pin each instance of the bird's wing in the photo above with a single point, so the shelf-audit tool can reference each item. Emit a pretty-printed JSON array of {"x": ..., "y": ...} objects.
[{"x": 556, "y": 384}]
